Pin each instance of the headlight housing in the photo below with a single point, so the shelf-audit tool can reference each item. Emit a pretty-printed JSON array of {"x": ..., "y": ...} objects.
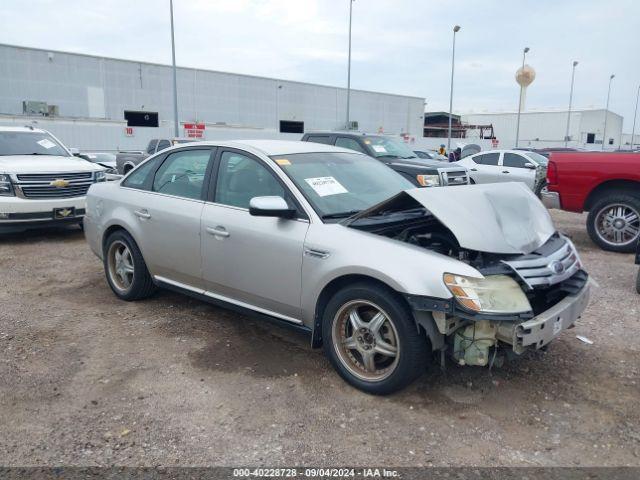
[
  {"x": 493, "y": 294},
  {"x": 6, "y": 188},
  {"x": 101, "y": 176},
  {"x": 428, "y": 180}
]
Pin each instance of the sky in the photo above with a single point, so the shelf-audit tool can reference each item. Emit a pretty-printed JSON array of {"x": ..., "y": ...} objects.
[{"x": 399, "y": 46}]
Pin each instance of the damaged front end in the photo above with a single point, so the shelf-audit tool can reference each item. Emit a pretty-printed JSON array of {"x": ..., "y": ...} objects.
[{"x": 531, "y": 284}]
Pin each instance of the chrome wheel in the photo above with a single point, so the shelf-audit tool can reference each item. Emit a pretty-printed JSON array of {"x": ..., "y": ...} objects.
[
  {"x": 120, "y": 263},
  {"x": 618, "y": 224},
  {"x": 366, "y": 340}
]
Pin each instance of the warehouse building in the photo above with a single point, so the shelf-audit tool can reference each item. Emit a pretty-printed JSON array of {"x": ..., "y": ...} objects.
[
  {"x": 540, "y": 129},
  {"x": 92, "y": 102}
]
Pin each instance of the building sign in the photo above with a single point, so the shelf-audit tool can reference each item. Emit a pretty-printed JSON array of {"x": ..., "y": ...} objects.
[
  {"x": 194, "y": 130},
  {"x": 128, "y": 131},
  {"x": 494, "y": 143}
]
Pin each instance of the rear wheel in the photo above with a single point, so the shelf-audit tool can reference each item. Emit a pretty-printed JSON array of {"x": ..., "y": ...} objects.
[
  {"x": 614, "y": 222},
  {"x": 371, "y": 339},
  {"x": 126, "y": 271}
]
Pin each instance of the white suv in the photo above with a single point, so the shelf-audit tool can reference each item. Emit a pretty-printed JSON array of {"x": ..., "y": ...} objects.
[{"x": 41, "y": 183}]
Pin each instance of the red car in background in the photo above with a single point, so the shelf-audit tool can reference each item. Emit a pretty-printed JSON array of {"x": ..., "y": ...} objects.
[{"x": 605, "y": 184}]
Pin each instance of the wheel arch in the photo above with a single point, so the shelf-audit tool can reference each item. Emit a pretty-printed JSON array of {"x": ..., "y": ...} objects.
[
  {"x": 333, "y": 287},
  {"x": 617, "y": 186}
]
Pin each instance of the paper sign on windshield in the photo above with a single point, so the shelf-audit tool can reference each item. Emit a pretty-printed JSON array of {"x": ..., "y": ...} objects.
[
  {"x": 46, "y": 143},
  {"x": 325, "y": 186},
  {"x": 379, "y": 148}
]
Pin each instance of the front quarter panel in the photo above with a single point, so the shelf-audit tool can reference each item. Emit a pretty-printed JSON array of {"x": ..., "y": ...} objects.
[{"x": 403, "y": 267}]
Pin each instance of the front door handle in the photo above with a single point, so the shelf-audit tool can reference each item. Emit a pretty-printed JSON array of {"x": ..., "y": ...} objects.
[
  {"x": 142, "y": 214},
  {"x": 506, "y": 171},
  {"x": 218, "y": 231},
  {"x": 473, "y": 169}
]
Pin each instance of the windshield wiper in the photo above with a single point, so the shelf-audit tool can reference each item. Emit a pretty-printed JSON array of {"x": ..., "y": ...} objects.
[{"x": 347, "y": 214}]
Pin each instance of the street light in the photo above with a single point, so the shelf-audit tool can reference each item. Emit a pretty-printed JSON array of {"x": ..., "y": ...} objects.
[
  {"x": 175, "y": 77},
  {"x": 606, "y": 109},
  {"x": 349, "y": 67},
  {"x": 524, "y": 54},
  {"x": 456, "y": 29},
  {"x": 573, "y": 76},
  {"x": 635, "y": 114}
]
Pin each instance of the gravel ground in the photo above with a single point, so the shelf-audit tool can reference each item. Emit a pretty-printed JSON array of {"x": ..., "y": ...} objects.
[{"x": 86, "y": 379}]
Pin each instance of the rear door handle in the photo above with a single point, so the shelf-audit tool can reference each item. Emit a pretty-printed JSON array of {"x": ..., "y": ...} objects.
[
  {"x": 218, "y": 231},
  {"x": 142, "y": 214},
  {"x": 506, "y": 171},
  {"x": 473, "y": 169}
]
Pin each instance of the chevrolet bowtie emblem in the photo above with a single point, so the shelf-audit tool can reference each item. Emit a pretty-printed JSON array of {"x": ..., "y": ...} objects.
[
  {"x": 64, "y": 212},
  {"x": 59, "y": 183}
]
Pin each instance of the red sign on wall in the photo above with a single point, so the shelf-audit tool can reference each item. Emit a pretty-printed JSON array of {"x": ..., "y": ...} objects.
[
  {"x": 494, "y": 143},
  {"x": 194, "y": 130},
  {"x": 128, "y": 131}
]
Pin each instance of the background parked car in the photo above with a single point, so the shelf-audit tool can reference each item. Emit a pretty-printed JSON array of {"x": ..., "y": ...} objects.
[
  {"x": 431, "y": 155},
  {"x": 127, "y": 160},
  {"x": 106, "y": 159},
  {"x": 495, "y": 166},
  {"x": 605, "y": 184},
  {"x": 395, "y": 154}
]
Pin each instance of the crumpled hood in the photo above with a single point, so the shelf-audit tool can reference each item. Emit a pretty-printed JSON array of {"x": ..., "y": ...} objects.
[
  {"x": 504, "y": 218},
  {"x": 45, "y": 164}
]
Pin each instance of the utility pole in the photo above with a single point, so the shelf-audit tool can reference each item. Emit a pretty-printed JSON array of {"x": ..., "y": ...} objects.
[
  {"x": 456, "y": 29},
  {"x": 635, "y": 114},
  {"x": 348, "y": 126},
  {"x": 573, "y": 75},
  {"x": 606, "y": 111},
  {"x": 524, "y": 54},
  {"x": 176, "y": 129}
]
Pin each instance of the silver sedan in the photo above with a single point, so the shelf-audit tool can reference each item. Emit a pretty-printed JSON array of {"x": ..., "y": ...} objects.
[{"x": 332, "y": 242}]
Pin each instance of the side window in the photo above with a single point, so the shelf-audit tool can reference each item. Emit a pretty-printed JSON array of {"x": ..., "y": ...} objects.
[
  {"x": 487, "y": 159},
  {"x": 182, "y": 174},
  {"x": 514, "y": 160},
  {"x": 151, "y": 148},
  {"x": 162, "y": 144},
  {"x": 240, "y": 178},
  {"x": 326, "y": 139},
  {"x": 140, "y": 177},
  {"x": 349, "y": 143}
]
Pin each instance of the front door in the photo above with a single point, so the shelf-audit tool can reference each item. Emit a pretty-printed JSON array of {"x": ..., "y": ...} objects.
[
  {"x": 486, "y": 168},
  {"x": 251, "y": 261}
]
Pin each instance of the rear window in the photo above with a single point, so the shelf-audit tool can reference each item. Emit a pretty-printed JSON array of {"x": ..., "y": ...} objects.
[{"x": 326, "y": 139}]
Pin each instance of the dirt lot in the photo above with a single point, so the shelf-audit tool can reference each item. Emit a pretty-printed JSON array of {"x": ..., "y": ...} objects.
[{"x": 86, "y": 379}]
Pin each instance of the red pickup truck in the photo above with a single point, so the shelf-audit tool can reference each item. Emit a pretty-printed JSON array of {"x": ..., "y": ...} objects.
[{"x": 607, "y": 185}]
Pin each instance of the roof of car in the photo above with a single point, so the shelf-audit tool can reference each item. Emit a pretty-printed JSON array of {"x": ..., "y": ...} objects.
[
  {"x": 4, "y": 128},
  {"x": 279, "y": 147},
  {"x": 350, "y": 133}
]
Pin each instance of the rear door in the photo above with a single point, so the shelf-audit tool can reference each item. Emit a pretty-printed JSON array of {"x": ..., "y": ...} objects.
[
  {"x": 514, "y": 169},
  {"x": 168, "y": 214},
  {"x": 486, "y": 168},
  {"x": 251, "y": 261}
]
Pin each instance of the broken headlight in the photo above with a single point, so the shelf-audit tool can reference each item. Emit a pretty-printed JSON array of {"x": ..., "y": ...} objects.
[
  {"x": 6, "y": 189},
  {"x": 492, "y": 294}
]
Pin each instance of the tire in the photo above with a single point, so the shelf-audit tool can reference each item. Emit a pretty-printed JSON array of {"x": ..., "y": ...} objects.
[
  {"x": 129, "y": 279},
  {"x": 396, "y": 332},
  {"x": 609, "y": 209}
]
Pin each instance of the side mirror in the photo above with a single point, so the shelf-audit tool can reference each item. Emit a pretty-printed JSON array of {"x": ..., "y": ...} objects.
[
  {"x": 75, "y": 152},
  {"x": 270, "y": 207},
  {"x": 530, "y": 166}
]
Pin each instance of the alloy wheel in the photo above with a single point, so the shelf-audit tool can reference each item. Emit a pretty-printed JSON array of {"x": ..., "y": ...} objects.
[
  {"x": 120, "y": 262},
  {"x": 618, "y": 224},
  {"x": 366, "y": 340}
]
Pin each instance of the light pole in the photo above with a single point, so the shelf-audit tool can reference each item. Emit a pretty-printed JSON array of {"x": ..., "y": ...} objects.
[
  {"x": 524, "y": 54},
  {"x": 456, "y": 29},
  {"x": 606, "y": 110},
  {"x": 176, "y": 130},
  {"x": 573, "y": 76},
  {"x": 349, "y": 67},
  {"x": 635, "y": 114}
]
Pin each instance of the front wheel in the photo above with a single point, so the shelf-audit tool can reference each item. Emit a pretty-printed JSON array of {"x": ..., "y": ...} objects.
[
  {"x": 371, "y": 339},
  {"x": 614, "y": 222}
]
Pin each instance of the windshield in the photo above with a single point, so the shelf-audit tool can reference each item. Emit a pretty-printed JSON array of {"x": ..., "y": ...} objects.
[
  {"x": 388, "y": 147},
  {"x": 338, "y": 185},
  {"x": 537, "y": 158},
  {"x": 100, "y": 157},
  {"x": 30, "y": 143}
]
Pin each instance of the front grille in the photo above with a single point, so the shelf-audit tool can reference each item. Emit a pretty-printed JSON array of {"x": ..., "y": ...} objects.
[
  {"x": 554, "y": 262},
  {"x": 47, "y": 191},
  {"x": 543, "y": 298},
  {"x": 455, "y": 177},
  {"x": 50, "y": 177}
]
